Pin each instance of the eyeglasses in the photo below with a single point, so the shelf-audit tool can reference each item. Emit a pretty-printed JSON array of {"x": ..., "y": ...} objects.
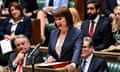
[
  {"x": 117, "y": 14},
  {"x": 19, "y": 44}
]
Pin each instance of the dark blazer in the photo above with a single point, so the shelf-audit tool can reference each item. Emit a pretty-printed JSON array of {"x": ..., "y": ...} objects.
[
  {"x": 98, "y": 64},
  {"x": 108, "y": 6},
  {"x": 103, "y": 36},
  {"x": 71, "y": 48},
  {"x": 24, "y": 27},
  {"x": 29, "y": 5},
  {"x": 36, "y": 54}
]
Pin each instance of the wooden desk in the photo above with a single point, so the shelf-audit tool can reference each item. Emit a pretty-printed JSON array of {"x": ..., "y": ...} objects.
[
  {"x": 44, "y": 49},
  {"x": 109, "y": 56},
  {"x": 29, "y": 69}
]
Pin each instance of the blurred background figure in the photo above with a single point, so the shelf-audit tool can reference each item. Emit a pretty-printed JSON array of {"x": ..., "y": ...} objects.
[
  {"x": 45, "y": 15},
  {"x": 108, "y": 6},
  {"x": 90, "y": 62},
  {"x": 1, "y": 4},
  {"x": 30, "y": 7},
  {"x": 15, "y": 24},
  {"x": 20, "y": 58},
  {"x": 76, "y": 19},
  {"x": 116, "y": 28},
  {"x": 66, "y": 41}
]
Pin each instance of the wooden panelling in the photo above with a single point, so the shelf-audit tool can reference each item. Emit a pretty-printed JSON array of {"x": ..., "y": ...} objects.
[
  {"x": 36, "y": 32},
  {"x": 80, "y": 6}
]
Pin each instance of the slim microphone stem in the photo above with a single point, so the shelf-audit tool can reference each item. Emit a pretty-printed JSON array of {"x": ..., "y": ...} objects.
[
  {"x": 33, "y": 64},
  {"x": 36, "y": 47}
]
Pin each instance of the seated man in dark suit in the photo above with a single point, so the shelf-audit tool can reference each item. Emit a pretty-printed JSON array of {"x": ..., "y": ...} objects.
[
  {"x": 90, "y": 62},
  {"x": 20, "y": 58},
  {"x": 97, "y": 27}
]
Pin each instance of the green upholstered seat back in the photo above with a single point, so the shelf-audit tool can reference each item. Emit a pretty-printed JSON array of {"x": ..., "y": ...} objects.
[
  {"x": 42, "y": 2},
  {"x": 113, "y": 66}
]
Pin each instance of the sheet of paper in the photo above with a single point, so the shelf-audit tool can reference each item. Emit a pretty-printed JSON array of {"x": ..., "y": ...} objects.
[{"x": 5, "y": 46}]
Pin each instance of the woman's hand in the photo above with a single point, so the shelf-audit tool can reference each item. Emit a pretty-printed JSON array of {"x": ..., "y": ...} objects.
[
  {"x": 50, "y": 59},
  {"x": 71, "y": 67},
  {"x": 9, "y": 37}
]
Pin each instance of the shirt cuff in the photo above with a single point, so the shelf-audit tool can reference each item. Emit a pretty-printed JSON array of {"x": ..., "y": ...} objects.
[{"x": 14, "y": 65}]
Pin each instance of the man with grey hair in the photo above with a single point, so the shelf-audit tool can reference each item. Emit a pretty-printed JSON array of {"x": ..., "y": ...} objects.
[
  {"x": 90, "y": 62},
  {"x": 19, "y": 58}
]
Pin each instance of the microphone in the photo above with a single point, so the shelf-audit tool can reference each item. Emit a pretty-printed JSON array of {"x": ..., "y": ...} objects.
[{"x": 36, "y": 47}]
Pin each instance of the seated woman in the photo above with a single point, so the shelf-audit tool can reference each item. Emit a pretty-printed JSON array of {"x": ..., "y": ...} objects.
[
  {"x": 116, "y": 28},
  {"x": 65, "y": 41},
  {"x": 76, "y": 18},
  {"x": 14, "y": 25}
]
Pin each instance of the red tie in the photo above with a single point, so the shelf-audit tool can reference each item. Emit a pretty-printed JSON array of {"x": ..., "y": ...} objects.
[
  {"x": 91, "y": 29},
  {"x": 20, "y": 66}
]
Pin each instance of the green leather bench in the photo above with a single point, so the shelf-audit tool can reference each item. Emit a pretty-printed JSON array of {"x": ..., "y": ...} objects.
[
  {"x": 113, "y": 66},
  {"x": 42, "y": 2}
]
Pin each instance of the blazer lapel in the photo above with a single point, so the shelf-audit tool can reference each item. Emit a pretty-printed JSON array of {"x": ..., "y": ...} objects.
[
  {"x": 90, "y": 69},
  {"x": 54, "y": 41},
  {"x": 67, "y": 40},
  {"x": 87, "y": 27},
  {"x": 19, "y": 26},
  {"x": 97, "y": 27}
]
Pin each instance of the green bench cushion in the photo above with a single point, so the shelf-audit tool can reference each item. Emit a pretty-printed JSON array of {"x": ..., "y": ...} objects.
[
  {"x": 113, "y": 66},
  {"x": 42, "y": 2}
]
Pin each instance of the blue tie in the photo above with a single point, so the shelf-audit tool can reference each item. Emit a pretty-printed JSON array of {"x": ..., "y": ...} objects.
[{"x": 83, "y": 65}]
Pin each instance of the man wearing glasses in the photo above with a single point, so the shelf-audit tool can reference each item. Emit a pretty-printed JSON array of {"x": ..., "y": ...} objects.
[
  {"x": 90, "y": 62},
  {"x": 19, "y": 58}
]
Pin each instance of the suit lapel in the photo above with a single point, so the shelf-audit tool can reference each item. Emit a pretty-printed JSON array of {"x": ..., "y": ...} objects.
[
  {"x": 19, "y": 26},
  {"x": 68, "y": 39},
  {"x": 97, "y": 27},
  {"x": 87, "y": 28},
  {"x": 54, "y": 40},
  {"x": 90, "y": 69}
]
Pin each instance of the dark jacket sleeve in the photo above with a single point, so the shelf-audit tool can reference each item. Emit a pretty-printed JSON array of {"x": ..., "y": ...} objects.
[
  {"x": 28, "y": 27},
  {"x": 102, "y": 66},
  {"x": 108, "y": 6},
  {"x": 78, "y": 48},
  {"x": 38, "y": 57},
  {"x": 4, "y": 23},
  {"x": 11, "y": 59},
  {"x": 107, "y": 36}
]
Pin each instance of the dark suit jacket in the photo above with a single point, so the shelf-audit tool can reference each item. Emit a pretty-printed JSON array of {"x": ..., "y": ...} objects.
[
  {"x": 108, "y": 6},
  {"x": 98, "y": 64},
  {"x": 103, "y": 36},
  {"x": 36, "y": 54},
  {"x": 24, "y": 27},
  {"x": 71, "y": 48},
  {"x": 29, "y": 5}
]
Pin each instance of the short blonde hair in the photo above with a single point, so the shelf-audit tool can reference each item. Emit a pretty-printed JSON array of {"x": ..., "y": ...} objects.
[
  {"x": 76, "y": 17},
  {"x": 115, "y": 26},
  {"x": 74, "y": 13}
]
